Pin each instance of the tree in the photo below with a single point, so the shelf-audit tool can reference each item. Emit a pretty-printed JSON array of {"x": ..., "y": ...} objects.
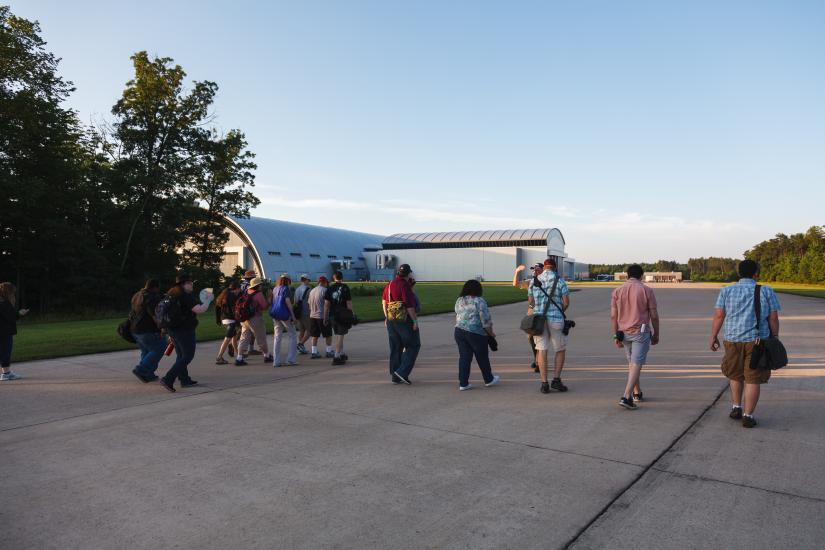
[
  {"x": 156, "y": 130},
  {"x": 224, "y": 174}
]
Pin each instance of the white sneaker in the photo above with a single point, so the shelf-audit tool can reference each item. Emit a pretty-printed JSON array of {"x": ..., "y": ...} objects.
[
  {"x": 494, "y": 381},
  {"x": 465, "y": 388},
  {"x": 9, "y": 376}
]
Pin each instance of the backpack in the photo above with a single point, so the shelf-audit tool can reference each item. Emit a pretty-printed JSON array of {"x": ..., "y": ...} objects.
[
  {"x": 168, "y": 313},
  {"x": 245, "y": 307},
  {"x": 279, "y": 311},
  {"x": 298, "y": 306}
]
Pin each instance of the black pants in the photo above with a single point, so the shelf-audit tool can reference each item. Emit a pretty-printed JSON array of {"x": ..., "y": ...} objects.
[
  {"x": 184, "y": 340},
  {"x": 471, "y": 344},
  {"x": 6, "y": 342}
]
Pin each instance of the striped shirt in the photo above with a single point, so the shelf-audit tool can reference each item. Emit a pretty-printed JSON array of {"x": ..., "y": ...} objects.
[{"x": 740, "y": 313}]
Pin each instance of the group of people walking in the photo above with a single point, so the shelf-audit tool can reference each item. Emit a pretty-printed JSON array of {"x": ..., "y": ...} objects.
[{"x": 160, "y": 323}]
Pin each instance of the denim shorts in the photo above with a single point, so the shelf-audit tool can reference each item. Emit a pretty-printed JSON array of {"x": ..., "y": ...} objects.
[{"x": 636, "y": 347}]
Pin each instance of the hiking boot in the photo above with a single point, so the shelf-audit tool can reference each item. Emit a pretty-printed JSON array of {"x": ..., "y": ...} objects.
[
  {"x": 339, "y": 361},
  {"x": 627, "y": 403},
  {"x": 545, "y": 387},
  {"x": 748, "y": 421},
  {"x": 557, "y": 385},
  {"x": 736, "y": 413},
  {"x": 221, "y": 361}
]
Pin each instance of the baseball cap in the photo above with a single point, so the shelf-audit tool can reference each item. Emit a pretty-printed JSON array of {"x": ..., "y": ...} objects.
[
  {"x": 404, "y": 270},
  {"x": 304, "y": 277},
  {"x": 538, "y": 265},
  {"x": 323, "y": 279}
]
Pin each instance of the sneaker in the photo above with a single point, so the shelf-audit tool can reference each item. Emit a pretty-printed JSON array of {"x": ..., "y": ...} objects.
[
  {"x": 396, "y": 382},
  {"x": 268, "y": 359},
  {"x": 189, "y": 383},
  {"x": 302, "y": 349},
  {"x": 10, "y": 376},
  {"x": 627, "y": 403},
  {"x": 404, "y": 380},
  {"x": 315, "y": 356},
  {"x": 137, "y": 375},
  {"x": 345, "y": 357},
  {"x": 557, "y": 385},
  {"x": 152, "y": 378},
  {"x": 494, "y": 381},
  {"x": 167, "y": 385},
  {"x": 545, "y": 387},
  {"x": 736, "y": 413},
  {"x": 231, "y": 351},
  {"x": 638, "y": 396},
  {"x": 748, "y": 421},
  {"x": 240, "y": 363},
  {"x": 221, "y": 361},
  {"x": 465, "y": 388},
  {"x": 339, "y": 361},
  {"x": 330, "y": 355}
]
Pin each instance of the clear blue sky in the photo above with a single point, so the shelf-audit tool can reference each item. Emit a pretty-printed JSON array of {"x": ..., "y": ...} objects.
[{"x": 643, "y": 130}]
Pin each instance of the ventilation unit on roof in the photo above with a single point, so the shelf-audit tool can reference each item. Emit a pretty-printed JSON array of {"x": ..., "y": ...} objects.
[{"x": 384, "y": 261}]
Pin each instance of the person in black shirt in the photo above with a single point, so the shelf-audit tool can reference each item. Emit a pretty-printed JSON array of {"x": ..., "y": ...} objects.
[
  {"x": 8, "y": 328},
  {"x": 183, "y": 331},
  {"x": 146, "y": 332},
  {"x": 338, "y": 308}
]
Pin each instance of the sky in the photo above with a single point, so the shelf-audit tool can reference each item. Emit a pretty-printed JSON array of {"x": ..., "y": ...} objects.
[{"x": 643, "y": 130}]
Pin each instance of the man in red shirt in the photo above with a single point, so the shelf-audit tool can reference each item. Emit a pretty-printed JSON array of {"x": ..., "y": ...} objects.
[{"x": 401, "y": 320}]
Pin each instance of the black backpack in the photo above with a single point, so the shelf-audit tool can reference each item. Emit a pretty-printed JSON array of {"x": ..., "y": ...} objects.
[{"x": 168, "y": 313}]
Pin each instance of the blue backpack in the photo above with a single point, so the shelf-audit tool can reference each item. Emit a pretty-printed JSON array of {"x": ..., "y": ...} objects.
[{"x": 279, "y": 310}]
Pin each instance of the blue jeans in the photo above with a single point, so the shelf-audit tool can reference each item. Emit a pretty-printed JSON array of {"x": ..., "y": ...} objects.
[
  {"x": 404, "y": 346},
  {"x": 470, "y": 344},
  {"x": 184, "y": 341},
  {"x": 152, "y": 345},
  {"x": 6, "y": 342}
]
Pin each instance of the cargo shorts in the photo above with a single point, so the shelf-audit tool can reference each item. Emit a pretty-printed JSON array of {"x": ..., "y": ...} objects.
[
  {"x": 736, "y": 364},
  {"x": 552, "y": 335}
]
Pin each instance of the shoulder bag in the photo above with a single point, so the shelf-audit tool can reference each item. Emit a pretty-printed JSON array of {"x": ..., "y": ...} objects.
[
  {"x": 768, "y": 353},
  {"x": 533, "y": 324}
]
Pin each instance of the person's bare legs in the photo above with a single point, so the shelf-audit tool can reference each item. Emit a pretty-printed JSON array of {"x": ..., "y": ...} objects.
[
  {"x": 339, "y": 345},
  {"x": 224, "y": 345},
  {"x": 560, "y": 355},
  {"x": 751, "y": 398},
  {"x": 633, "y": 372},
  {"x": 736, "y": 393},
  {"x": 541, "y": 360}
]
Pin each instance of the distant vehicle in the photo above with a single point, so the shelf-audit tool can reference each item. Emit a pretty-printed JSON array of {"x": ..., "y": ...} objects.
[{"x": 604, "y": 277}]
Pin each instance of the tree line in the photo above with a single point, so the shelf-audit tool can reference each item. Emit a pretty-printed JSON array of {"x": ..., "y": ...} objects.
[
  {"x": 797, "y": 258},
  {"x": 87, "y": 212}
]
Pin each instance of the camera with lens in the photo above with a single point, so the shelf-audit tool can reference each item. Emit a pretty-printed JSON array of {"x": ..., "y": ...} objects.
[{"x": 567, "y": 326}]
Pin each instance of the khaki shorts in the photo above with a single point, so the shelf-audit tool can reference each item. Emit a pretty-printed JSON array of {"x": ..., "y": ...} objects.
[
  {"x": 736, "y": 364},
  {"x": 552, "y": 335}
]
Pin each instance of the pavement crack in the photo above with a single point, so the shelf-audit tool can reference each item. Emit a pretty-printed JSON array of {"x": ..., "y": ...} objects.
[
  {"x": 734, "y": 484},
  {"x": 644, "y": 471}
]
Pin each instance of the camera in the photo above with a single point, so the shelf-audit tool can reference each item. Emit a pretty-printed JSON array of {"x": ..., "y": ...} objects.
[{"x": 567, "y": 326}]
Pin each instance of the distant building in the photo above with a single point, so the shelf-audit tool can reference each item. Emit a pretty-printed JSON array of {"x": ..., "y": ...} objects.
[
  {"x": 272, "y": 247},
  {"x": 655, "y": 277}
]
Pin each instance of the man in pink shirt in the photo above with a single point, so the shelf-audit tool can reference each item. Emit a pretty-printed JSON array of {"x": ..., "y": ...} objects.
[{"x": 635, "y": 322}]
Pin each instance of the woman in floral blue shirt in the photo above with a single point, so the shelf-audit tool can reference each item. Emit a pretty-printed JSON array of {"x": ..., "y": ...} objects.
[{"x": 473, "y": 326}]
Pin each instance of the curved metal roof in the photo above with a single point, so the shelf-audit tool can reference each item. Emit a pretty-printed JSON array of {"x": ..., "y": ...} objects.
[
  {"x": 264, "y": 235},
  {"x": 472, "y": 236}
]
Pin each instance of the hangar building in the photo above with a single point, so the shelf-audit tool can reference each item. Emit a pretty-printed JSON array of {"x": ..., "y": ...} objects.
[{"x": 272, "y": 247}]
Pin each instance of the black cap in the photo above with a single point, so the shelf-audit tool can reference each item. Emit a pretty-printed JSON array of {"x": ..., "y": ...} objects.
[{"x": 404, "y": 270}]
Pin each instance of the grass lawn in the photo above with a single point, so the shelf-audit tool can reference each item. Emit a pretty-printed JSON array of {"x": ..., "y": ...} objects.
[
  {"x": 814, "y": 291},
  {"x": 42, "y": 340}
]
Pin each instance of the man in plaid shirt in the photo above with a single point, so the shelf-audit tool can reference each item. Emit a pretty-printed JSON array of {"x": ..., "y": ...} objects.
[
  {"x": 554, "y": 326},
  {"x": 735, "y": 308}
]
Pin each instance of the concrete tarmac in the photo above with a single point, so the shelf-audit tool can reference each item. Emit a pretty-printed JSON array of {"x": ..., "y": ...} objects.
[{"x": 317, "y": 456}]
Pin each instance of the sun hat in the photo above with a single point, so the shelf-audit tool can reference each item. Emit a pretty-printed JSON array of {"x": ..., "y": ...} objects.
[{"x": 255, "y": 282}]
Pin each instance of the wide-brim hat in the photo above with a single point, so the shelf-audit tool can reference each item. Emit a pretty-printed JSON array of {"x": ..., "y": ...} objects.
[{"x": 255, "y": 282}]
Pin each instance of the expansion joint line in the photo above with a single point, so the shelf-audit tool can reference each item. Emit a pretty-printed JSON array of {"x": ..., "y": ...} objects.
[{"x": 646, "y": 469}]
